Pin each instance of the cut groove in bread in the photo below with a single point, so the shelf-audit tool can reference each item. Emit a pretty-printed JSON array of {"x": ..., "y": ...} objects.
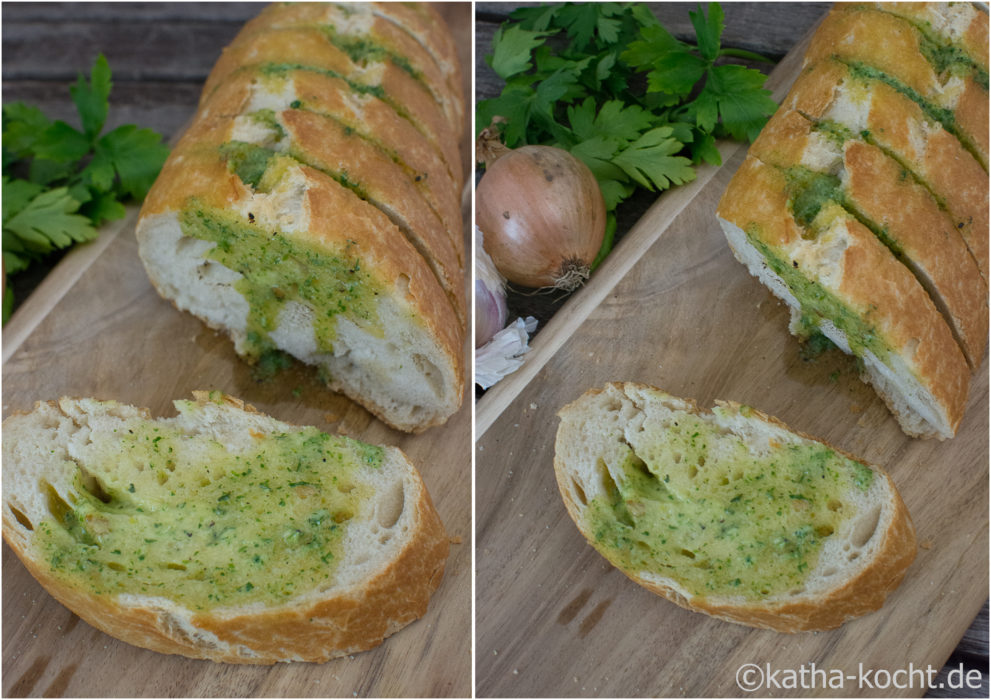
[
  {"x": 270, "y": 542},
  {"x": 774, "y": 530},
  {"x": 836, "y": 99}
]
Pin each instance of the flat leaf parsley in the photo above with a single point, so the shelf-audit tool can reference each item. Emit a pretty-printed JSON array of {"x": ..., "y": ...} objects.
[
  {"x": 608, "y": 83},
  {"x": 61, "y": 183}
]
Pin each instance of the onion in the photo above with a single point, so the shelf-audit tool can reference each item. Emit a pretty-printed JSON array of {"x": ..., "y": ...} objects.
[
  {"x": 491, "y": 312},
  {"x": 543, "y": 215}
]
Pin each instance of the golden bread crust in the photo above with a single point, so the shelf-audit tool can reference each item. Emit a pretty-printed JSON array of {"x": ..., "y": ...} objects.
[
  {"x": 898, "y": 125},
  {"x": 873, "y": 285}
]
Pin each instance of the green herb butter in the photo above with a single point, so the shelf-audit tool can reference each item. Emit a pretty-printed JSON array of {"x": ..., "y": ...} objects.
[
  {"x": 179, "y": 516},
  {"x": 817, "y": 304},
  {"x": 277, "y": 269},
  {"x": 696, "y": 506}
]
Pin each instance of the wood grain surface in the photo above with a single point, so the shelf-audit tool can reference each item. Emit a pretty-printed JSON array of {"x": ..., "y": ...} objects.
[
  {"x": 96, "y": 328},
  {"x": 675, "y": 310}
]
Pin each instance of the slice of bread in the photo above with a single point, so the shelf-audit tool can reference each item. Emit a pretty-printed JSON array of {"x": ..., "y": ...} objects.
[
  {"x": 220, "y": 533},
  {"x": 729, "y": 512}
]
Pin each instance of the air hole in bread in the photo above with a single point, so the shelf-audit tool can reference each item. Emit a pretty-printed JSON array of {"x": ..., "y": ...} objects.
[
  {"x": 402, "y": 285},
  {"x": 93, "y": 486},
  {"x": 693, "y": 471},
  {"x": 175, "y": 567},
  {"x": 865, "y": 527},
  {"x": 677, "y": 457},
  {"x": 853, "y": 556},
  {"x": 21, "y": 518},
  {"x": 390, "y": 508},
  {"x": 834, "y": 506},
  {"x": 828, "y": 572},
  {"x": 796, "y": 592},
  {"x": 161, "y": 477},
  {"x": 429, "y": 370},
  {"x": 701, "y": 460},
  {"x": 385, "y": 537},
  {"x": 824, "y": 530},
  {"x": 687, "y": 553},
  {"x": 579, "y": 492},
  {"x": 115, "y": 566}
]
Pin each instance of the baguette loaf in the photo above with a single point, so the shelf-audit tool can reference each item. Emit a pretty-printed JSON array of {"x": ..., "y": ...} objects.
[
  {"x": 828, "y": 166},
  {"x": 842, "y": 282},
  {"x": 864, "y": 203},
  {"x": 730, "y": 513},
  {"x": 221, "y": 533},
  {"x": 312, "y": 207}
]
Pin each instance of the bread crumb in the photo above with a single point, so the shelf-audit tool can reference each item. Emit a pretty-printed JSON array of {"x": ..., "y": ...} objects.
[
  {"x": 926, "y": 544},
  {"x": 533, "y": 407},
  {"x": 455, "y": 540},
  {"x": 855, "y": 408},
  {"x": 331, "y": 417},
  {"x": 516, "y": 672}
]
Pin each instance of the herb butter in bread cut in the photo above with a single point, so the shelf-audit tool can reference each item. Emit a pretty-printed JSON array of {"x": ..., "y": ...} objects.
[
  {"x": 221, "y": 533},
  {"x": 864, "y": 202},
  {"x": 729, "y": 512},
  {"x": 312, "y": 207}
]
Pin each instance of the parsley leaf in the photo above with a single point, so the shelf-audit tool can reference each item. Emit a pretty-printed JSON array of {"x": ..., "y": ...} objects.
[
  {"x": 48, "y": 222},
  {"x": 136, "y": 154},
  {"x": 651, "y": 160},
  {"x": 92, "y": 97},
  {"x": 512, "y": 50},
  {"x": 59, "y": 182}
]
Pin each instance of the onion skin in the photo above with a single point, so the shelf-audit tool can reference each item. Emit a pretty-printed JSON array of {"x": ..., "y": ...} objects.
[{"x": 543, "y": 216}]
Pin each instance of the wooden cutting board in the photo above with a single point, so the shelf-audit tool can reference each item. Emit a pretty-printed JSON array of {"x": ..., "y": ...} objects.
[
  {"x": 97, "y": 328},
  {"x": 672, "y": 307}
]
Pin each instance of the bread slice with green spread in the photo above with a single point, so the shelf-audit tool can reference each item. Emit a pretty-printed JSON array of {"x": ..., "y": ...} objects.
[
  {"x": 220, "y": 533},
  {"x": 312, "y": 208},
  {"x": 729, "y": 512}
]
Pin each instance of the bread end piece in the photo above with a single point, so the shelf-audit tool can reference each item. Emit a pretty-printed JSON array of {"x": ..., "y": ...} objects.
[{"x": 604, "y": 423}]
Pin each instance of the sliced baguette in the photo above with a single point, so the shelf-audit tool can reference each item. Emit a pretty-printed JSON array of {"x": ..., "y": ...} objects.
[
  {"x": 882, "y": 44},
  {"x": 830, "y": 94},
  {"x": 220, "y": 533},
  {"x": 841, "y": 281},
  {"x": 681, "y": 502},
  {"x": 363, "y": 306},
  {"x": 862, "y": 179}
]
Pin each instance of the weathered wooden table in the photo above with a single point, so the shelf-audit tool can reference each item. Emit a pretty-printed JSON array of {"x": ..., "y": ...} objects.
[{"x": 505, "y": 460}]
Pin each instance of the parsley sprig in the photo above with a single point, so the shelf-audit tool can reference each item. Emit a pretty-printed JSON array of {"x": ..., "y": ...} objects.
[
  {"x": 61, "y": 183},
  {"x": 608, "y": 83}
]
